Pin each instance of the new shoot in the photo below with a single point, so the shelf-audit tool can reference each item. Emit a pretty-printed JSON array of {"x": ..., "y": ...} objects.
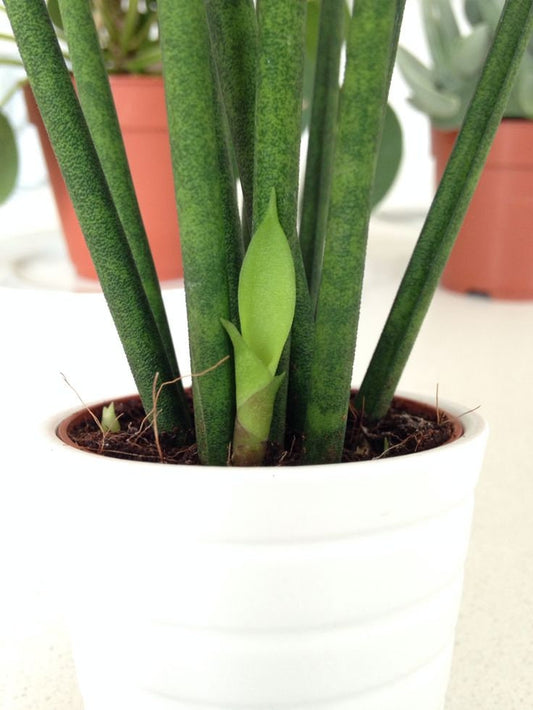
[
  {"x": 266, "y": 297},
  {"x": 109, "y": 421}
]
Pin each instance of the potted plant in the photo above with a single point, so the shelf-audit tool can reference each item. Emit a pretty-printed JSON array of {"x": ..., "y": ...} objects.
[
  {"x": 494, "y": 253},
  {"x": 128, "y": 36},
  {"x": 320, "y": 583}
]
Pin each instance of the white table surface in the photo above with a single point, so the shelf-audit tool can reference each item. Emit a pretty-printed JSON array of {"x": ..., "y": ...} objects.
[{"x": 478, "y": 352}]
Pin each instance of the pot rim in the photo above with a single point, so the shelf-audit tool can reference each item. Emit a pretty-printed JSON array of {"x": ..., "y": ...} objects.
[
  {"x": 271, "y": 505},
  {"x": 468, "y": 424}
]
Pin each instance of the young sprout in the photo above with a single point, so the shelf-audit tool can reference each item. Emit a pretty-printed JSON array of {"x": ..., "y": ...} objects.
[
  {"x": 109, "y": 421},
  {"x": 266, "y": 296}
]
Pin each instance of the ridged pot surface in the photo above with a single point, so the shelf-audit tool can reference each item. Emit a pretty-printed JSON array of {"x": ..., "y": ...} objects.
[{"x": 327, "y": 587}]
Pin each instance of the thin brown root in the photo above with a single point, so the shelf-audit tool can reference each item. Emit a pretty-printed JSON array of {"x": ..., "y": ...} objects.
[
  {"x": 401, "y": 443},
  {"x": 437, "y": 408},
  {"x": 441, "y": 413},
  {"x": 229, "y": 454},
  {"x": 357, "y": 417},
  {"x": 155, "y": 397},
  {"x": 469, "y": 411},
  {"x": 194, "y": 374},
  {"x": 88, "y": 409},
  {"x": 182, "y": 377},
  {"x": 442, "y": 418},
  {"x": 288, "y": 452},
  {"x": 151, "y": 417}
]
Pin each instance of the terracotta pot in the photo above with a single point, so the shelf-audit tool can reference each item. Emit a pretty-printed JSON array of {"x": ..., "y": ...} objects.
[
  {"x": 140, "y": 104},
  {"x": 329, "y": 586},
  {"x": 493, "y": 254}
]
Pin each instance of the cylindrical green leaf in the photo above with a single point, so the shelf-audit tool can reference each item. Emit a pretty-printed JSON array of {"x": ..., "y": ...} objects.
[
  {"x": 99, "y": 220},
  {"x": 207, "y": 209},
  {"x": 447, "y": 211},
  {"x": 278, "y": 112},
  {"x": 370, "y": 52},
  {"x": 98, "y": 108},
  {"x": 278, "y": 108},
  {"x": 233, "y": 31},
  {"x": 321, "y": 139}
]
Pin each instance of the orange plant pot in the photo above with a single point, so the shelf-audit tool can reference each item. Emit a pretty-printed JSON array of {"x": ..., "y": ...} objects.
[
  {"x": 140, "y": 104},
  {"x": 493, "y": 254}
]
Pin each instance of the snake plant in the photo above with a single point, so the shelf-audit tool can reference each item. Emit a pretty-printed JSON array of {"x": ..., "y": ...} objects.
[
  {"x": 233, "y": 72},
  {"x": 444, "y": 89}
]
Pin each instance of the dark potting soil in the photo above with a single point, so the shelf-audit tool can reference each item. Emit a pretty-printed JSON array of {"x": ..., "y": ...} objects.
[{"x": 402, "y": 431}]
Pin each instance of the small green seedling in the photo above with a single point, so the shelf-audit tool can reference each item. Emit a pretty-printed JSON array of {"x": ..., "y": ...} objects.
[
  {"x": 109, "y": 421},
  {"x": 267, "y": 295}
]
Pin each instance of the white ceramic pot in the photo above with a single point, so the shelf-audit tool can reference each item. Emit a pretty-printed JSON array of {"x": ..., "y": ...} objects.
[{"x": 326, "y": 587}]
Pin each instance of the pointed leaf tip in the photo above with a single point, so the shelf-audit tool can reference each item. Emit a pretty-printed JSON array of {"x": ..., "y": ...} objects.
[{"x": 267, "y": 290}]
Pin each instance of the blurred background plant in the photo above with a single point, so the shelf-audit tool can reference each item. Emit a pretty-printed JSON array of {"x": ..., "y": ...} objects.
[
  {"x": 10, "y": 61},
  {"x": 443, "y": 90},
  {"x": 129, "y": 36}
]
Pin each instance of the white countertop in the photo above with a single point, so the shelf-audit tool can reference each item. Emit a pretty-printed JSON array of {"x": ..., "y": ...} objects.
[{"x": 478, "y": 352}]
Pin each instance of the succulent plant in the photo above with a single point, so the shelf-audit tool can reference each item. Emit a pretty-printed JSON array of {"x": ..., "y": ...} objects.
[
  {"x": 128, "y": 35},
  {"x": 443, "y": 90}
]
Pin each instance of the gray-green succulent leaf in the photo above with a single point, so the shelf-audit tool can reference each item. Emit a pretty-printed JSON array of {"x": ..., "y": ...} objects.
[{"x": 444, "y": 90}]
